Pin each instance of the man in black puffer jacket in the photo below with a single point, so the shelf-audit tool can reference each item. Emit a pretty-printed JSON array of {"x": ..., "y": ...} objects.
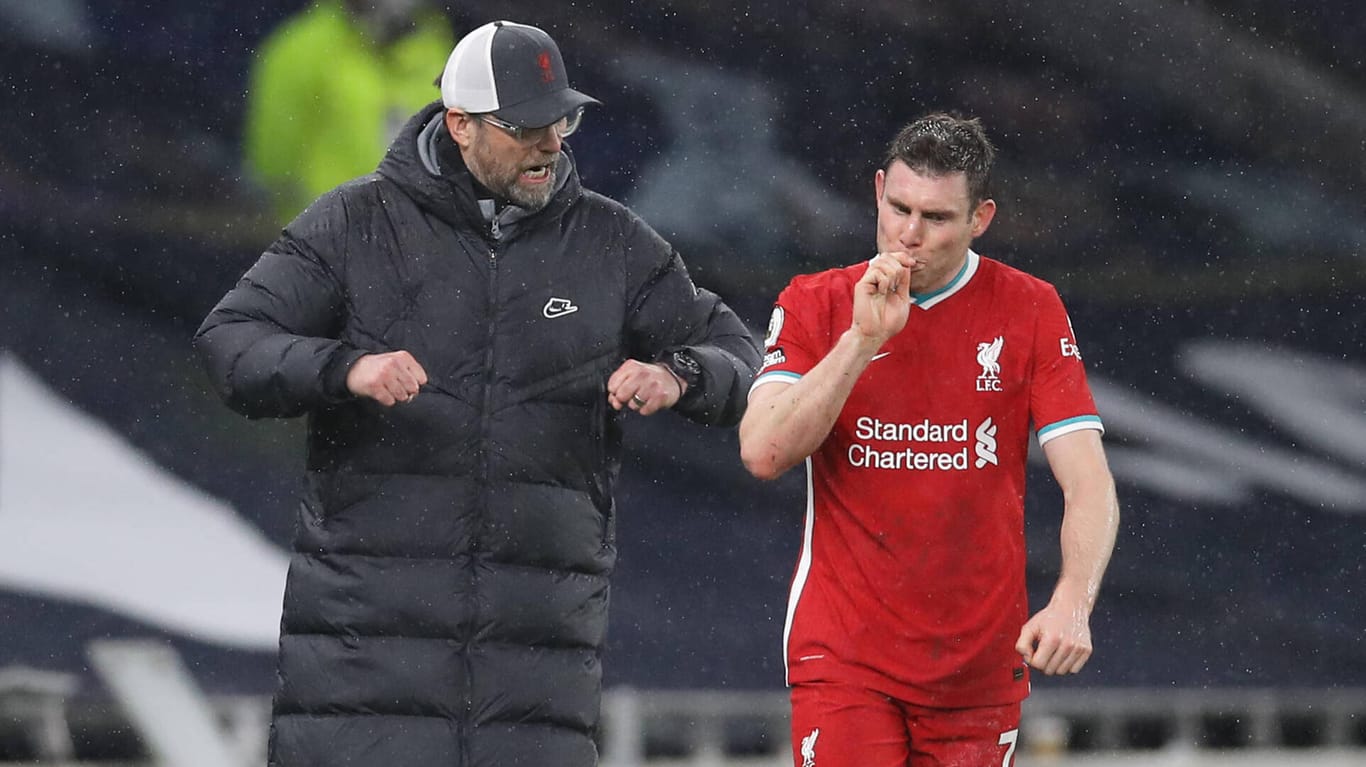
[{"x": 463, "y": 329}]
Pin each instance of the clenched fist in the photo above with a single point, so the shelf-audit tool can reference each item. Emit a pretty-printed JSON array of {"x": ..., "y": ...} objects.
[{"x": 388, "y": 378}]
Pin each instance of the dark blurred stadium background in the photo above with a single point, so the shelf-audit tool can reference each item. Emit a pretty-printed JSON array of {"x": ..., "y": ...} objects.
[{"x": 1191, "y": 175}]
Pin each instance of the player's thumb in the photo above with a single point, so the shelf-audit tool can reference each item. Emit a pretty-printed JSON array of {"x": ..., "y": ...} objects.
[
  {"x": 903, "y": 282},
  {"x": 1025, "y": 644}
]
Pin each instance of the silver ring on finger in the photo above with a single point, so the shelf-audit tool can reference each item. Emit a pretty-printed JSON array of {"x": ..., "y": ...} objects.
[{"x": 636, "y": 399}]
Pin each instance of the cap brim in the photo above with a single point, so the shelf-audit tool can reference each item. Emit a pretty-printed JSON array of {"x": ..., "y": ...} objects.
[{"x": 544, "y": 110}]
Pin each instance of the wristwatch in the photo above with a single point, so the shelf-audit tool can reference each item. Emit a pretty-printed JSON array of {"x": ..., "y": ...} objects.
[{"x": 682, "y": 364}]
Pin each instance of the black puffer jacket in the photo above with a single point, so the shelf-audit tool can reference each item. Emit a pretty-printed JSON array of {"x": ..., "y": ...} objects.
[{"x": 447, "y": 596}]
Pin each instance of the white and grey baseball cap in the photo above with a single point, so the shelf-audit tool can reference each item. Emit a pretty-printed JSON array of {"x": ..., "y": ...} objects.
[{"x": 513, "y": 71}]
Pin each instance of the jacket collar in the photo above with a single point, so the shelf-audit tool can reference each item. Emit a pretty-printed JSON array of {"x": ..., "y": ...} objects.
[{"x": 426, "y": 162}]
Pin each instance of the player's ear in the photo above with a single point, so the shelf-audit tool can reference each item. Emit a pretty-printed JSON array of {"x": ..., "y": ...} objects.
[
  {"x": 981, "y": 218},
  {"x": 879, "y": 183}
]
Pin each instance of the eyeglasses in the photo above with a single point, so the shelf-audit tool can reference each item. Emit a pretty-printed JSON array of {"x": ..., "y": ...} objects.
[{"x": 563, "y": 128}]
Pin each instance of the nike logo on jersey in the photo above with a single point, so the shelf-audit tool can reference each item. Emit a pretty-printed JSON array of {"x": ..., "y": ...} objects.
[{"x": 558, "y": 307}]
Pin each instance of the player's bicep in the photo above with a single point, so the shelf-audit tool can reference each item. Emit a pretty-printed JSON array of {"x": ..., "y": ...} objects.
[
  {"x": 1078, "y": 464},
  {"x": 767, "y": 445},
  {"x": 765, "y": 390},
  {"x": 1075, "y": 456}
]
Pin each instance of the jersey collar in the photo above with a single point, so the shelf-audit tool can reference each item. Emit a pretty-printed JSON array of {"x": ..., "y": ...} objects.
[{"x": 928, "y": 300}]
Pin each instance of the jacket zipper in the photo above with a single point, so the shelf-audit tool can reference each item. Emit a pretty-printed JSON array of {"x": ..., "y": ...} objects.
[{"x": 485, "y": 474}]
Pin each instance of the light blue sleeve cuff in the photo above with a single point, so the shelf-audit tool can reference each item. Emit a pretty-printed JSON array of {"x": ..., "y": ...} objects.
[
  {"x": 1067, "y": 426},
  {"x": 777, "y": 376}
]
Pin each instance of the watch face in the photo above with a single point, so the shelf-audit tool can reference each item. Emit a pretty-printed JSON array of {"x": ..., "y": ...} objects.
[{"x": 687, "y": 366}]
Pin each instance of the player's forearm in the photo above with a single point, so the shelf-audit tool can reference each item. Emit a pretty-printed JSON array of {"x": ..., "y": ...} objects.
[
  {"x": 1090, "y": 523},
  {"x": 785, "y": 425}
]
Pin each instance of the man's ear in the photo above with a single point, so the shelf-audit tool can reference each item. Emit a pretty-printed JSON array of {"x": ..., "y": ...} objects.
[
  {"x": 461, "y": 127},
  {"x": 981, "y": 218}
]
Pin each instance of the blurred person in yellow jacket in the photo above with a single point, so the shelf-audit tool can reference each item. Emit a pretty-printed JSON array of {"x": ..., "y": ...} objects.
[{"x": 331, "y": 87}]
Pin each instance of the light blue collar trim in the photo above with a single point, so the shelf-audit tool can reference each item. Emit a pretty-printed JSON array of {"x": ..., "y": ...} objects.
[{"x": 928, "y": 300}]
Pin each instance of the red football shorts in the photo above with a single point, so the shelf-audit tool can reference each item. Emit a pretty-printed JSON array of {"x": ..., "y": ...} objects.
[{"x": 836, "y": 725}]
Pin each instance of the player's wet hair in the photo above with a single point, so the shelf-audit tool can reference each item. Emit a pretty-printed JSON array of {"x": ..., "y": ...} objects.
[{"x": 941, "y": 143}]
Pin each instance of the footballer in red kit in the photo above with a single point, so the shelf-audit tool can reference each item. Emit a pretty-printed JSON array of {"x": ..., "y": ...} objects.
[
  {"x": 910, "y": 385},
  {"x": 938, "y": 477}
]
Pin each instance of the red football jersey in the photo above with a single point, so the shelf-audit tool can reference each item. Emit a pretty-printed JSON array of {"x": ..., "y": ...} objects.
[{"x": 911, "y": 579}]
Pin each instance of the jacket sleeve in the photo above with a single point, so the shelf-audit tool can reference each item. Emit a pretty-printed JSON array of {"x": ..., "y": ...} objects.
[
  {"x": 691, "y": 330},
  {"x": 270, "y": 345}
]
